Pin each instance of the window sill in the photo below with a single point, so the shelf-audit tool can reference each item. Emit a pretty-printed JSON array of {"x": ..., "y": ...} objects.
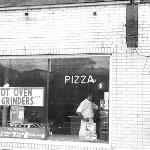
[{"x": 50, "y": 144}]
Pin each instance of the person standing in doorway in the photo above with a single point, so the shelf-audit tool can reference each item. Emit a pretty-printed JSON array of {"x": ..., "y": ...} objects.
[{"x": 86, "y": 111}]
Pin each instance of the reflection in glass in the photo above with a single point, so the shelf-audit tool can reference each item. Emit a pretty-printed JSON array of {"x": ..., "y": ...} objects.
[
  {"x": 70, "y": 82},
  {"x": 23, "y": 73}
]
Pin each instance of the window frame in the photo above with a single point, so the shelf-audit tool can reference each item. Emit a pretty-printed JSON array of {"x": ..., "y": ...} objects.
[{"x": 50, "y": 57}]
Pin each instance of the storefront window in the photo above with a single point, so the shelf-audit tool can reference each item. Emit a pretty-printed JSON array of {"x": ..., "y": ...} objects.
[
  {"x": 40, "y": 98},
  {"x": 71, "y": 81},
  {"x": 22, "y": 84}
]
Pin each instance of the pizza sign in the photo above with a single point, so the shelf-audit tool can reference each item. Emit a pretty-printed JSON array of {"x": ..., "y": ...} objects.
[{"x": 83, "y": 79}]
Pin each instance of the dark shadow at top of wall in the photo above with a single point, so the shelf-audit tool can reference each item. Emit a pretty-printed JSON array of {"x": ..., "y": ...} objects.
[{"x": 18, "y": 3}]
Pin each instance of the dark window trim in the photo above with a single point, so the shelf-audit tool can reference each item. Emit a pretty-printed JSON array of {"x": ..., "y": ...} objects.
[{"x": 84, "y": 55}]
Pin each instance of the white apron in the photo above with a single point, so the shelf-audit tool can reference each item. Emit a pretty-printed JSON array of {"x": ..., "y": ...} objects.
[{"x": 83, "y": 128}]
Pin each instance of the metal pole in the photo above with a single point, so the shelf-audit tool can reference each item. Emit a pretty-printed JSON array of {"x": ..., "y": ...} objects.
[
  {"x": 6, "y": 80},
  {"x": 47, "y": 96}
]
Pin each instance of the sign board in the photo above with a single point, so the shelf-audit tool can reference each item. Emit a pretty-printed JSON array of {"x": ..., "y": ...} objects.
[
  {"x": 17, "y": 114},
  {"x": 33, "y": 133},
  {"x": 22, "y": 96}
]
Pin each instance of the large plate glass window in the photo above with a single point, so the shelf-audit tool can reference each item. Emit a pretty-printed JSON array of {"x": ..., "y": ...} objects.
[
  {"x": 26, "y": 111},
  {"x": 22, "y": 84},
  {"x": 70, "y": 82}
]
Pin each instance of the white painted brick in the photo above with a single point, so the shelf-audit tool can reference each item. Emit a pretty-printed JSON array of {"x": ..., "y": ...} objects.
[
  {"x": 51, "y": 23},
  {"x": 76, "y": 30}
]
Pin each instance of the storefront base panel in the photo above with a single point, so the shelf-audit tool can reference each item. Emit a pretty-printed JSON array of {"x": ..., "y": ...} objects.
[{"x": 32, "y": 144}]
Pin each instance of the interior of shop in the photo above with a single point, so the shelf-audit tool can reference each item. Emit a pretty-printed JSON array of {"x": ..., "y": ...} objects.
[{"x": 67, "y": 82}]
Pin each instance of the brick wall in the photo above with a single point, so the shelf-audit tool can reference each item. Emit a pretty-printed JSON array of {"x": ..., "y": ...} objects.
[
  {"x": 63, "y": 30},
  {"x": 77, "y": 30},
  {"x": 130, "y": 92},
  {"x": 127, "y": 101}
]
